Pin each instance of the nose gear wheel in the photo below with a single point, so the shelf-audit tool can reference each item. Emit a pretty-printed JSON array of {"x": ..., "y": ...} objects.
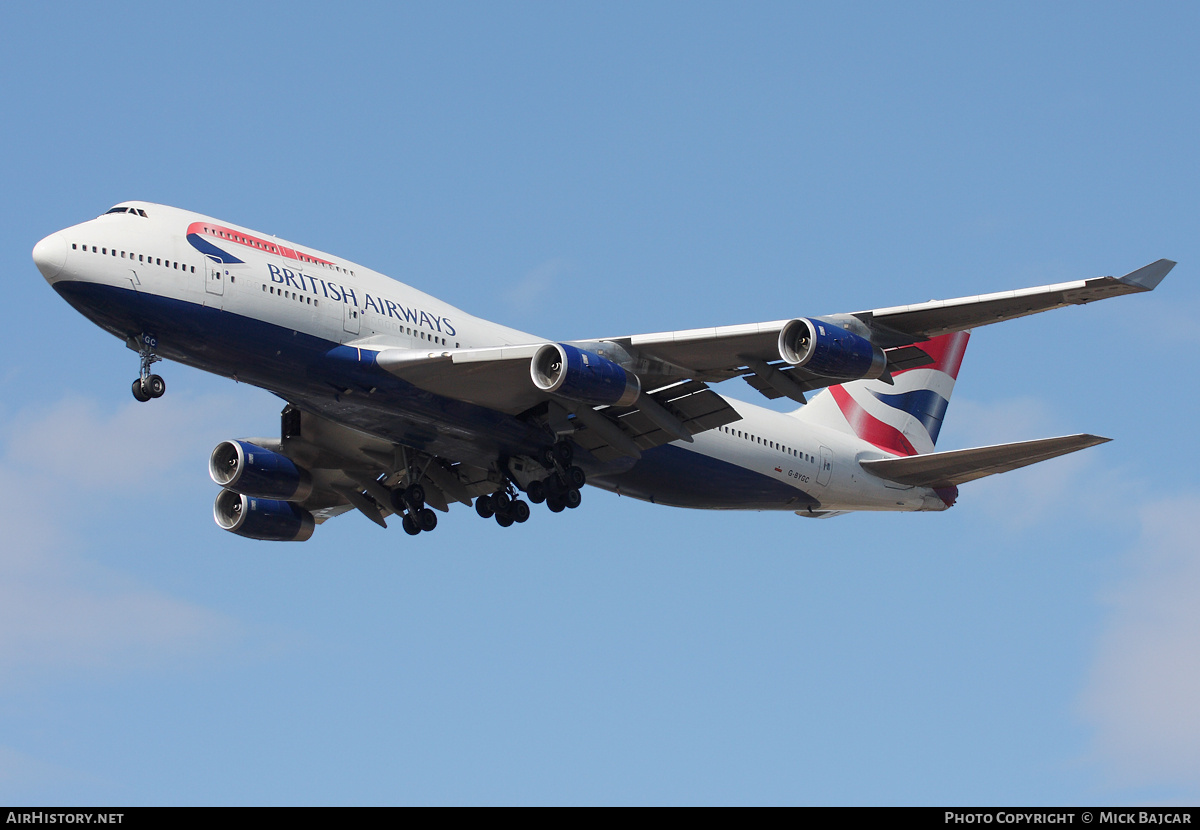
[{"x": 148, "y": 385}]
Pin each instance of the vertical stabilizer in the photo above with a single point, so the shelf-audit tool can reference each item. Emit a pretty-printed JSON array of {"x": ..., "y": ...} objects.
[{"x": 902, "y": 419}]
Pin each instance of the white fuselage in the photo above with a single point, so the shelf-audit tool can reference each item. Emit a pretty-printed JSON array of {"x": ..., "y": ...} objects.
[{"x": 112, "y": 266}]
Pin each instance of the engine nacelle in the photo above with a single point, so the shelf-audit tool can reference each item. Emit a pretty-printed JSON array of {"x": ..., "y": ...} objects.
[
  {"x": 270, "y": 520},
  {"x": 583, "y": 376},
  {"x": 830, "y": 350},
  {"x": 248, "y": 468}
]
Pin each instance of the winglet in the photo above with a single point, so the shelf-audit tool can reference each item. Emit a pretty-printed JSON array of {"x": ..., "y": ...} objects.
[{"x": 1149, "y": 276}]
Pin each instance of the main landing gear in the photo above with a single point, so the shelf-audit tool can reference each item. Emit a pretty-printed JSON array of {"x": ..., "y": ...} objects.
[
  {"x": 410, "y": 501},
  {"x": 148, "y": 386},
  {"x": 504, "y": 506},
  {"x": 559, "y": 490}
]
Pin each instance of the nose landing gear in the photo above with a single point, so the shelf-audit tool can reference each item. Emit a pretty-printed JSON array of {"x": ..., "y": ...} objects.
[{"x": 148, "y": 385}]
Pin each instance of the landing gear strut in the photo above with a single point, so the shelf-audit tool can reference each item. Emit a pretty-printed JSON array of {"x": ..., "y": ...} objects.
[{"x": 147, "y": 385}]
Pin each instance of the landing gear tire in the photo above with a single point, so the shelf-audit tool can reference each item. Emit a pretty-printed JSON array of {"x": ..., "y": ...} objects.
[
  {"x": 485, "y": 507},
  {"x": 519, "y": 511},
  {"x": 500, "y": 502},
  {"x": 555, "y": 505},
  {"x": 154, "y": 386},
  {"x": 571, "y": 498},
  {"x": 564, "y": 452},
  {"x": 576, "y": 478},
  {"x": 504, "y": 520},
  {"x": 427, "y": 519},
  {"x": 415, "y": 496},
  {"x": 410, "y": 527},
  {"x": 138, "y": 392},
  {"x": 536, "y": 491},
  {"x": 546, "y": 457}
]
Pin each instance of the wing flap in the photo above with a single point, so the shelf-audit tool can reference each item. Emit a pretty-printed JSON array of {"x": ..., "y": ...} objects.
[
  {"x": 692, "y": 402},
  {"x": 943, "y": 469}
]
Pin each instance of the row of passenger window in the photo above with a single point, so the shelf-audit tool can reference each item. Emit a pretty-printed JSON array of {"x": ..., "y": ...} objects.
[
  {"x": 148, "y": 260},
  {"x": 291, "y": 295},
  {"x": 304, "y": 298},
  {"x": 417, "y": 332},
  {"x": 425, "y": 336},
  {"x": 775, "y": 445}
]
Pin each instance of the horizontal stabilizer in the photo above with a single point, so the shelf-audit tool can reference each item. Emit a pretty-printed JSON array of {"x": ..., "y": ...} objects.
[{"x": 943, "y": 469}]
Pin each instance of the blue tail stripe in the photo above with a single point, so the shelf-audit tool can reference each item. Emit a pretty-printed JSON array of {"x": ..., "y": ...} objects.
[{"x": 925, "y": 405}]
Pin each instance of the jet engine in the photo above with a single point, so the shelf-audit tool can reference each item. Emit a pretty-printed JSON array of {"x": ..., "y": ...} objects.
[
  {"x": 583, "y": 376},
  {"x": 830, "y": 350},
  {"x": 248, "y": 468},
  {"x": 270, "y": 520}
]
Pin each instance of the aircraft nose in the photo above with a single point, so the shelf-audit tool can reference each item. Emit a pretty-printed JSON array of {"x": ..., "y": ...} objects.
[{"x": 49, "y": 255}]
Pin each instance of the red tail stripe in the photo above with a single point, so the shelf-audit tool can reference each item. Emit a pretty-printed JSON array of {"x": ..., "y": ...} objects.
[
  {"x": 868, "y": 427},
  {"x": 947, "y": 352}
]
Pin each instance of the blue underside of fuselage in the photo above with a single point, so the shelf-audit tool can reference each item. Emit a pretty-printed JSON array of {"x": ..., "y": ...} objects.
[
  {"x": 674, "y": 475},
  {"x": 338, "y": 382},
  {"x": 314, "y": 373}
]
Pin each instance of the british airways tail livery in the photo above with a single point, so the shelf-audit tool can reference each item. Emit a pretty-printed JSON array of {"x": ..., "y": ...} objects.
[{"x": 399, "y": 404}]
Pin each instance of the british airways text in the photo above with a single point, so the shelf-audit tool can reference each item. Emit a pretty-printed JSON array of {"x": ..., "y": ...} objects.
[{"x": 380, "y": 305}]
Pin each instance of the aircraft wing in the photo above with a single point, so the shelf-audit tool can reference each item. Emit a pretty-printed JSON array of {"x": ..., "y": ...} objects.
[
  {"x": 714, "y": 354},
  {"x": 943, "y": 469},
  {"x": 673, "y": 368}
]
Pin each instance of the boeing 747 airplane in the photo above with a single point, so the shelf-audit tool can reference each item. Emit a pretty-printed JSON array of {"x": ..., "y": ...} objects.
[{"x": 398, "y": 404}]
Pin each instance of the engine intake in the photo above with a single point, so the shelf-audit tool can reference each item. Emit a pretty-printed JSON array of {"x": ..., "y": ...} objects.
[
  {"x": 248, "y": 468},
  {"x": 583, "y": 376},
  {"x": 269, "y": 520},
  {"x": 830, "y": 350}
]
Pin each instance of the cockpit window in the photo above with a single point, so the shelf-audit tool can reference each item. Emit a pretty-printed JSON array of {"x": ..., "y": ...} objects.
[
  {"x": 116, "y": 210},
  {"x": 134, "y": 211}
]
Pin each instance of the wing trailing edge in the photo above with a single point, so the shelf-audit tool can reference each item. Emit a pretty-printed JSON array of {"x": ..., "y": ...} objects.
[{"x": 945, "y": 469}]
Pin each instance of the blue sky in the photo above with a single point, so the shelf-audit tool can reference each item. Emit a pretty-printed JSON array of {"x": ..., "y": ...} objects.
[{"x": 582, "y": 170}]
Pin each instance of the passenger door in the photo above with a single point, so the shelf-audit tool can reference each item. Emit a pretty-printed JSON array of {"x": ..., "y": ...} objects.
[
  {"x": 214, "y": 281},
  {"x": 826, "y": 469}
]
